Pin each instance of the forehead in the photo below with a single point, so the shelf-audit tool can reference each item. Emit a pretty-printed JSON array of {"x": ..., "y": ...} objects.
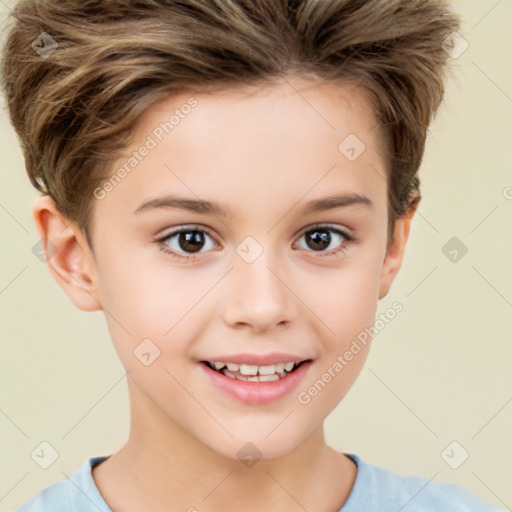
[
  {"x": 258, "y": 145},
  {"x": 308, "y": 105}
]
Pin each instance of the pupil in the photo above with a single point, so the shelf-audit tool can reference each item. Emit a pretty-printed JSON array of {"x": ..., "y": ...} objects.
[
  {"x": 320, "y": 239},
  {"x": 191, "y": 241}
]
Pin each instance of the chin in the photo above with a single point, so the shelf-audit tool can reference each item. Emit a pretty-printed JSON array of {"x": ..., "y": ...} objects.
[{"x": 250, "y": 447}]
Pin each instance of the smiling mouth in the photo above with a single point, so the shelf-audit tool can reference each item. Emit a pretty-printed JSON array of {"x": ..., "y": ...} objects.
[{"x": 254, "y": 373}]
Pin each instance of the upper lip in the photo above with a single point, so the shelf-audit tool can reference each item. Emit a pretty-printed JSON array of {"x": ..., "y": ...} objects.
[{"x": 258, "y": 359}]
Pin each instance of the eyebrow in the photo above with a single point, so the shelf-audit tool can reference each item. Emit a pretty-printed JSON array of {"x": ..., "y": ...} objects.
[{"x": 213, "y": 208}]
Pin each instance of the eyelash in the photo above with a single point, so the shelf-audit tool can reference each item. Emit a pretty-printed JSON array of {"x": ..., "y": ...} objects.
[{"x": 348, "y": 240}]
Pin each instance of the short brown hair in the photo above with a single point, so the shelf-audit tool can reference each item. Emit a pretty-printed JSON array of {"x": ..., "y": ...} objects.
[{"x": 75, "y": 110}]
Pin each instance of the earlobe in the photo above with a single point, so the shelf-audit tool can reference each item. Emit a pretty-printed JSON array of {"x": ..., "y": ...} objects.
[
  {"x": 395, "y": 252},
  {"x": 68, "y": 255}
]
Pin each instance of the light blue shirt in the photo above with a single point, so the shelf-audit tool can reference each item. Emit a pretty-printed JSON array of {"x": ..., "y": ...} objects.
[{"x": 375, "y": 490}]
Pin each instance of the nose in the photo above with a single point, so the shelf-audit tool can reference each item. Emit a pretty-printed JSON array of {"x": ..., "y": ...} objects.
[{"x": 259, "y": 298}]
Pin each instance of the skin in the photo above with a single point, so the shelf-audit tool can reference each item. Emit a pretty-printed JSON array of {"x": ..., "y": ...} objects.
[{"x": 264, "y": 153}]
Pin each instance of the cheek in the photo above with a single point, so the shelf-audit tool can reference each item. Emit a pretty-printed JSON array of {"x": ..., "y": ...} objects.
[
  {"x": 137, "y": 308},
  {"x": 155, "y": 309},
  {"x": 145, "y": 300},
  {"x": 345, "y": 299}
]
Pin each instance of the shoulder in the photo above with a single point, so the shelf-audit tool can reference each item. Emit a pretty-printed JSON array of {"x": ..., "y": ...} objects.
[
  {"x": 55, "y": 497},
  {"x": 76, "y": 493},
  {"x": 378, "y": 489}
]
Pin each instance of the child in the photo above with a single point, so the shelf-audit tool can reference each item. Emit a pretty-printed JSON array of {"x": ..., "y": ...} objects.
[{"x": 282, "y": 139}]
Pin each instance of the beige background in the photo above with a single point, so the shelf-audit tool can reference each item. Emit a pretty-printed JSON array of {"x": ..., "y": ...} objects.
[{"x": 439, "y": 372}]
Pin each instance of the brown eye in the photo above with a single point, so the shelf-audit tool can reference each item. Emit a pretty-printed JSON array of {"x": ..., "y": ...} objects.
[
  {"x": 324, "y": 239},
  {"x": 318, "y": 240},
  {"x": 190, "y": 241},
  {"x": 186, "y": 242}
]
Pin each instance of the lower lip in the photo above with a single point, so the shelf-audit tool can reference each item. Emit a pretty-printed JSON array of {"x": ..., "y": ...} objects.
[{"x": 257, "y": 392}]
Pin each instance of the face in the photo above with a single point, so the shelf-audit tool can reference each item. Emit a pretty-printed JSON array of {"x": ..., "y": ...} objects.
[{"x": 244, "y": 233}]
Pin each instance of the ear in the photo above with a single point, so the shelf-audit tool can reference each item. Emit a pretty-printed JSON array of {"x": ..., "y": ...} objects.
[
  {"x": 68, "y": 256},
  {"x": 395, "y": 251}
]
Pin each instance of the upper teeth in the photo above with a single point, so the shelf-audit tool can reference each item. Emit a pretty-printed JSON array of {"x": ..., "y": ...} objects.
[{"x": 249, "y": 369}]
